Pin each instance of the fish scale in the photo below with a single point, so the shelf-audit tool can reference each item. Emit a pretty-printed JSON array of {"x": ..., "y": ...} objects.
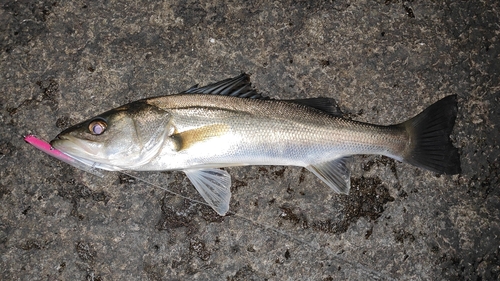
[{"x": 317, "y": 131}]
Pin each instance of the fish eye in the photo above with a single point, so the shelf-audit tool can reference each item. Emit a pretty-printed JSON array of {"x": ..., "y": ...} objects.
[{"x": 97, "y": 127}]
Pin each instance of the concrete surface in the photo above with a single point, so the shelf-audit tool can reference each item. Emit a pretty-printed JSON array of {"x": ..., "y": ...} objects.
[{"x": 384, "y": 61}]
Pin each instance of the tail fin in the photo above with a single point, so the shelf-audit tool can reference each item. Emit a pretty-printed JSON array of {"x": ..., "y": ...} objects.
[{"x": 430, "y": 145}]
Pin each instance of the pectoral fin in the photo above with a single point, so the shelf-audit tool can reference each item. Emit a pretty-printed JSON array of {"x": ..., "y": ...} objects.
[
  {"x": 214, "y": 185},
  {"x": 334, "y": 173}
]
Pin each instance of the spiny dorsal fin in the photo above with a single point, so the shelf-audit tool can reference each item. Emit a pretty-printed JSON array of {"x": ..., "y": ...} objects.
[{"x": 238, "y": 86}]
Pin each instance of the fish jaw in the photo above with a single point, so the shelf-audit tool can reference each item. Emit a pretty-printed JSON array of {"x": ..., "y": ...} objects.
[
  {"x": 76, "y": 147},
  {"x": 83, "y": 151}
]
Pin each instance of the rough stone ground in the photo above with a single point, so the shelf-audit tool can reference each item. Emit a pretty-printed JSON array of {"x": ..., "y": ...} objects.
[{"x": 384, "y": 61}]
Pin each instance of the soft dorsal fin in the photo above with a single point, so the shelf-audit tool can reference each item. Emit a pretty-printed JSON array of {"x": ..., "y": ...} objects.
[
  {"x": 327, "y": 105},
  {"x": 238, "y": 86}
]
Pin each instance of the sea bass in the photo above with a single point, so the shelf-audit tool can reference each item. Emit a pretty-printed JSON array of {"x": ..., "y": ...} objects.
[{"x": 229, "y": 124}]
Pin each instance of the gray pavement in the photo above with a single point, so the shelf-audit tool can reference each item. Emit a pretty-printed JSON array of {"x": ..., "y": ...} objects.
[{"x": 383, "y": 61}]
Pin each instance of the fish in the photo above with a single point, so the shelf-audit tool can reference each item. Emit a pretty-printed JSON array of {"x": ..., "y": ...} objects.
[{"x": 228, "y": 123}]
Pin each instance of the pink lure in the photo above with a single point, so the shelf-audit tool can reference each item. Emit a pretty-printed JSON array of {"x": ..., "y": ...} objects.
[{"x": 47, "y": 148}]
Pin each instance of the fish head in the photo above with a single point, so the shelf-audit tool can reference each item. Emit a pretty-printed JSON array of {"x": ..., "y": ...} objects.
[{"x": 122, "y": 138}]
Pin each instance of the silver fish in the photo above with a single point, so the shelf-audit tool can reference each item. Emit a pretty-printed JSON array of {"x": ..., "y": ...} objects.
[{"x": 228, "y": 124}]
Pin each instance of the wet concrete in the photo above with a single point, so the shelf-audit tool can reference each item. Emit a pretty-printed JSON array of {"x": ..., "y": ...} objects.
[{"x": 383, "y": 61}]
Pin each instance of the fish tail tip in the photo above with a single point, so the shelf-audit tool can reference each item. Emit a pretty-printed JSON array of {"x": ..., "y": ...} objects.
[{"x": 430, "y": 144}]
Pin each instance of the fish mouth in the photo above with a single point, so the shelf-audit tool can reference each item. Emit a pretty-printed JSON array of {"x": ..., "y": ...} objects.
[
  {"x": 74, "y": 147},
  {"x": 80, "y": 151}
]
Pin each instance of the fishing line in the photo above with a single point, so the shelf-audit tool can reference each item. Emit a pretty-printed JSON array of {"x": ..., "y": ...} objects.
[{"x": 316, "y": 247}]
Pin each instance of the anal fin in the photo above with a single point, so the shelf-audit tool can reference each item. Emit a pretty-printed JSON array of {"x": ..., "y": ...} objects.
[
  {"x": 214, "y": 185},
  {"x": 336, "y": 174}
]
